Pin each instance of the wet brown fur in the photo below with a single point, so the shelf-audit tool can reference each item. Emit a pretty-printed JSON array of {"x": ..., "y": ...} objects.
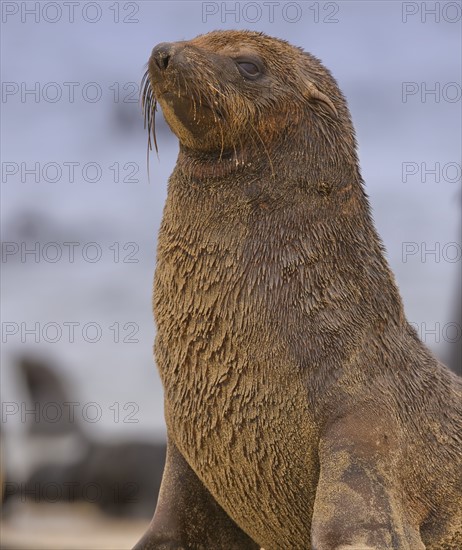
[{"x": 302, "y": 409}]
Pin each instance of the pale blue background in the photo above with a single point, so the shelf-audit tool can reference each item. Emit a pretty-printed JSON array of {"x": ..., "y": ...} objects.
[{"x": 369, "y": 50}]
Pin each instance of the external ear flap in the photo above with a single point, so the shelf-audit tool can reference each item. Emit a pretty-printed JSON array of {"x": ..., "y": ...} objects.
[
  {"x": 314, "y": 93},
  {"x": 310, "y": 90}
]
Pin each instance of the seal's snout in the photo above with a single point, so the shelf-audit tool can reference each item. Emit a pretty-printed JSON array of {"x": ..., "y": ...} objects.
[{"x": 162, "y": 54}]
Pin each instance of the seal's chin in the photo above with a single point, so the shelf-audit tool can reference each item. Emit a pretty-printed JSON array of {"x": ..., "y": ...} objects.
[{"x": 186, "y": 115}]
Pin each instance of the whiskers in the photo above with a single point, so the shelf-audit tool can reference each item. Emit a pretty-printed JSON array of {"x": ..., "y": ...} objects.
[{"x": 149, "y": 106}]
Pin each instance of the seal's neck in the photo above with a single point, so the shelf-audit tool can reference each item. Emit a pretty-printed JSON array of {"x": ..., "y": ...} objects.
[
  {"x": 285, "y": 196},
  {"x": 210, "y": 166},
  {"x": 308, "y": 154}
]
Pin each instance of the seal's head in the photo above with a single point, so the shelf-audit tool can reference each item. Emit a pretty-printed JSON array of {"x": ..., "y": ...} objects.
[{"x": 236, "y": 92}]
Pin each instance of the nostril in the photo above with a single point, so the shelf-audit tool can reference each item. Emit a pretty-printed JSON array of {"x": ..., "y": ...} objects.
[
  {"x": 162, "y": 54},
  {"x": 162, "y": 61}
]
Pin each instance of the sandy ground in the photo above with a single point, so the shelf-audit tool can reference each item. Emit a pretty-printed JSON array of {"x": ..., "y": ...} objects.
[{"x": 67, "y": 527}]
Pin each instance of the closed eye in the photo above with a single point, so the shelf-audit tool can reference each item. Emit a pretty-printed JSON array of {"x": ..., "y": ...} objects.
[{"x": 248, "y": 69}]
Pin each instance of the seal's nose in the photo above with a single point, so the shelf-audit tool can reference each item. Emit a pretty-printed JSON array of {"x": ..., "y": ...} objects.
[{"x": 161, "y": 54}]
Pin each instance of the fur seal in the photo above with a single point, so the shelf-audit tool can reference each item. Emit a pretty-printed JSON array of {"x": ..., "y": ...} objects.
[{"x": 302, "y": 410}]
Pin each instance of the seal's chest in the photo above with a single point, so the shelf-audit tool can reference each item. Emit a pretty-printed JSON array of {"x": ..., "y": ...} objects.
[
  {"x": 235, "y": 403},
  {"x": 241, "y": 423},
  {"x": 219, "y": 357}
]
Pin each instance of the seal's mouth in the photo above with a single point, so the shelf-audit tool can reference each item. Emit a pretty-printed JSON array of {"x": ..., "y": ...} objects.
[{"x": 196, "y": 104}]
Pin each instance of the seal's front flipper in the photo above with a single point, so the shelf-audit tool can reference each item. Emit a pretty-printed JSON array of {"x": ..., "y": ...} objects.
[
  {"x": 358, "y": 500},
  {"x": 187, "y": 516}
]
